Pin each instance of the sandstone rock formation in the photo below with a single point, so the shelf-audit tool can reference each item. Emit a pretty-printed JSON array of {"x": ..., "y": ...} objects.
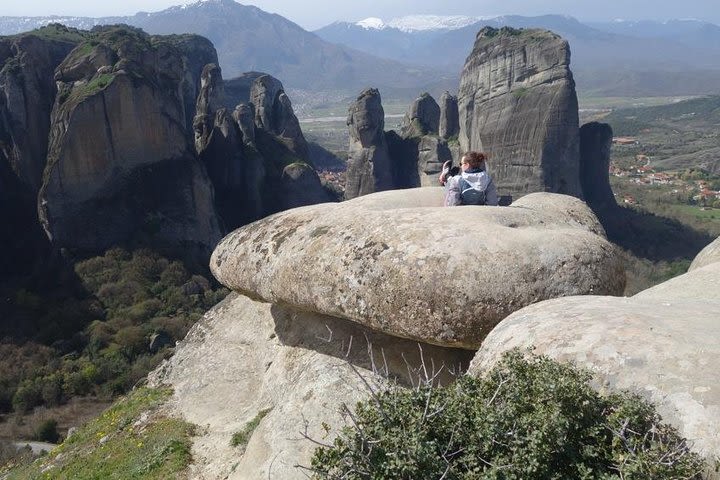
[
  {"x": 662, "y": 343},
  {"x": 368, "y": 167},
  {"x": 417, "y": 272},
  {"x": 449, "y": 116},
  {"x": 246, "y": 356},
  {"x": 236, "y": 175},
  {"x": 708, "y": 255},
  {"x": 595, "y": 144},
  {"x": 517, "y": 102},
  {"x": 301, "y": 186},
  {"x": 27, "y": 93},
  {"x": 423, "y": 117},
  {"x": 432, "y": 152},
  {"x": 244, "y": 115},
  {"x": 121, "y": 167},
  {"x": 274, "y": 114}
]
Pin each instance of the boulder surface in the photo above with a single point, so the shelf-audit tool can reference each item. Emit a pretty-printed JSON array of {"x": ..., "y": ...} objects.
[
  {"x": 707, "y": 255},
  {"x": 393, "y": 263},
  {"x": 244, "y": 357},
  {"x": 663, "y": 343}
]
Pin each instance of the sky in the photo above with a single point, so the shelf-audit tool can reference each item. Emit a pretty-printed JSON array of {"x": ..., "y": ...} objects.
[{"x": 313, "y": 14}]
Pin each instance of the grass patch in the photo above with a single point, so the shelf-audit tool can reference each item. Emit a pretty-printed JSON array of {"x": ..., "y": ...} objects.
[
  {"x": 97, "y": 84},
  {"x": 131, "y": 440},
  {"x": 241, "y": 438}
]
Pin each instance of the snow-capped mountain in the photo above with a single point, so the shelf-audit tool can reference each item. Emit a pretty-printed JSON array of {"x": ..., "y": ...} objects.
[
  {"x": 418, "y": 23},
  {"x": 250, "y": 39}
]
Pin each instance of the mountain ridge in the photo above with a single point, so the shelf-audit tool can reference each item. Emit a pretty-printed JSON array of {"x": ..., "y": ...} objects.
[{"x": 250, "y": 39}]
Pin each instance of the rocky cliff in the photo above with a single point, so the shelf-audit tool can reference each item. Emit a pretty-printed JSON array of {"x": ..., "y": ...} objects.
[
  {"x": 369, "y": 166},
  {"x": 595, "y": 144},
  {"x": 449, "y": 116},
  {"x": 517, "y": 102},
  {"x": 422, "y": 118},
  {"x": 27, "y": 94},
  {"x": 121, "y": 167}
]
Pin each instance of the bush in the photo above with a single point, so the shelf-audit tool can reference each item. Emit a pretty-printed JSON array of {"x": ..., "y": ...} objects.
[
  {"x": 529, "y": 418},
  {"x": 47, "y": 431}
]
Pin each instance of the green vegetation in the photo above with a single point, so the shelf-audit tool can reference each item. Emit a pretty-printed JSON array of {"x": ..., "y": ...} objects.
[
  {"x": 529, "y": 418},
  {"x": 96, "y": 84},
  {"x": 57, "y": 31},
  {"x": 98, "y": 342},
  {"x": 241, "y": 438},
  {"x": 47, "y": 431},
  {"x": 131, "y": 440},
  {"x": 520, "y": 92}
]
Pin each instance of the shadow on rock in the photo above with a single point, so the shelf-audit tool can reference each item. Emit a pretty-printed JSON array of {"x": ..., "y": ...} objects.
[{"x": 395, "y": 357}]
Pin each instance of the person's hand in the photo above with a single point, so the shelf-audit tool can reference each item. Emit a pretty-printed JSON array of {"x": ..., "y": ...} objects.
[{"x": 445, "y": 171}]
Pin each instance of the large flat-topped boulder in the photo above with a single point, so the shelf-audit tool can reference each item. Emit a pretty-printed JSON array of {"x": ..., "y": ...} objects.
[
  {"x": 444, "y": 276},
  {"x": 663, "y": 343},
  {"x": 517, "y": 102},
  {"x": 708, "y": 255}
]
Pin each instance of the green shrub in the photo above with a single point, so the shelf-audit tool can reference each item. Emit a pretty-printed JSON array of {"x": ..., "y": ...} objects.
[
  {"x": 47, "y": 431},
  {"x": 529, "y": 418}
]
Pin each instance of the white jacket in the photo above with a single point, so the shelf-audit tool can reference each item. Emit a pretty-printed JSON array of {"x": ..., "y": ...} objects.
[{"x": 478, "y": 179}]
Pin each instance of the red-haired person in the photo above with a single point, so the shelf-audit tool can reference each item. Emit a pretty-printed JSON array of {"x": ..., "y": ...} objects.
[{"x": 472, "y": 186}]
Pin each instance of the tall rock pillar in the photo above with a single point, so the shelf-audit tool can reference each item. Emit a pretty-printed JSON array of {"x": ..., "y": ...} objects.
[
  {"x": 368, "y": 168},
  {"x": 449, "y": 120},
  {"x": 595, "y": 144},
  {"x": 517, "y": 102}
]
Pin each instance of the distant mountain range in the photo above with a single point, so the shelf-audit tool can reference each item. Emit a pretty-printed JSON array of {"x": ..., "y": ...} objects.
[
  {"x": 250, "y": 39},
  {"x": 609, "y": 58},
  {"x": 410, "y": 54}
]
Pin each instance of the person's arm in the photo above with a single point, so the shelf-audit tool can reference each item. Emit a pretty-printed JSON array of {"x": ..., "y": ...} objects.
[
  {"x": 445, "y": 170},
  {"x": 491, "y": 196},
  {"x": 452, "y": 191}
]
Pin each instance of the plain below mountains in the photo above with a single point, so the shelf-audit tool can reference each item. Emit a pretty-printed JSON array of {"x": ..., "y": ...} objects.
[{"x": 250, "y": 39}]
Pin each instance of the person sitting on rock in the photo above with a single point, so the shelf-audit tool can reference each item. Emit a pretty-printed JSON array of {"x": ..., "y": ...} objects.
[{"x": 473, "y": 186}]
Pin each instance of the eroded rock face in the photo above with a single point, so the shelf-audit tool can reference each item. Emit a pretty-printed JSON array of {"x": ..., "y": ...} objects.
[
  {"x": 662, "y": 343},
  {"x": 301, "y": 186},
  {"x": 27, "y": 93},
  {"x": 275, "y": 115},
  {"x": 368, "y": 167},
  {"x": 432, "y": 153},
  {"x": 423, "y": 117},
  {"x": 708, "y": 255},
  {"x": 419, "y": 272},
  {"x": 517, "y": 102},
  {"x": 300, "y": 365},
  {"x": 595, "y": 144},
  {"x": 449, "y": 116},
  {"x": 121, "y": 167}
]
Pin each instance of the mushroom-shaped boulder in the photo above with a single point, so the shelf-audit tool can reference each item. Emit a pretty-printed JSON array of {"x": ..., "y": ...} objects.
[{"x": 399, "y": 263}]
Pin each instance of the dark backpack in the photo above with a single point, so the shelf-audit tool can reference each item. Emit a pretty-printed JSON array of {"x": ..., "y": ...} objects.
[{"x": 470, "y": 195}]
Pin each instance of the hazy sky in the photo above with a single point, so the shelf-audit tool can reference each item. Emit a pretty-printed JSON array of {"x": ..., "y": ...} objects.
[{"x": 313, "y": 14}]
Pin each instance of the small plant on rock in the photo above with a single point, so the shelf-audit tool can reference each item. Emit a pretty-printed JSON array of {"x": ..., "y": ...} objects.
[{"x": 529, "y": 418}]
